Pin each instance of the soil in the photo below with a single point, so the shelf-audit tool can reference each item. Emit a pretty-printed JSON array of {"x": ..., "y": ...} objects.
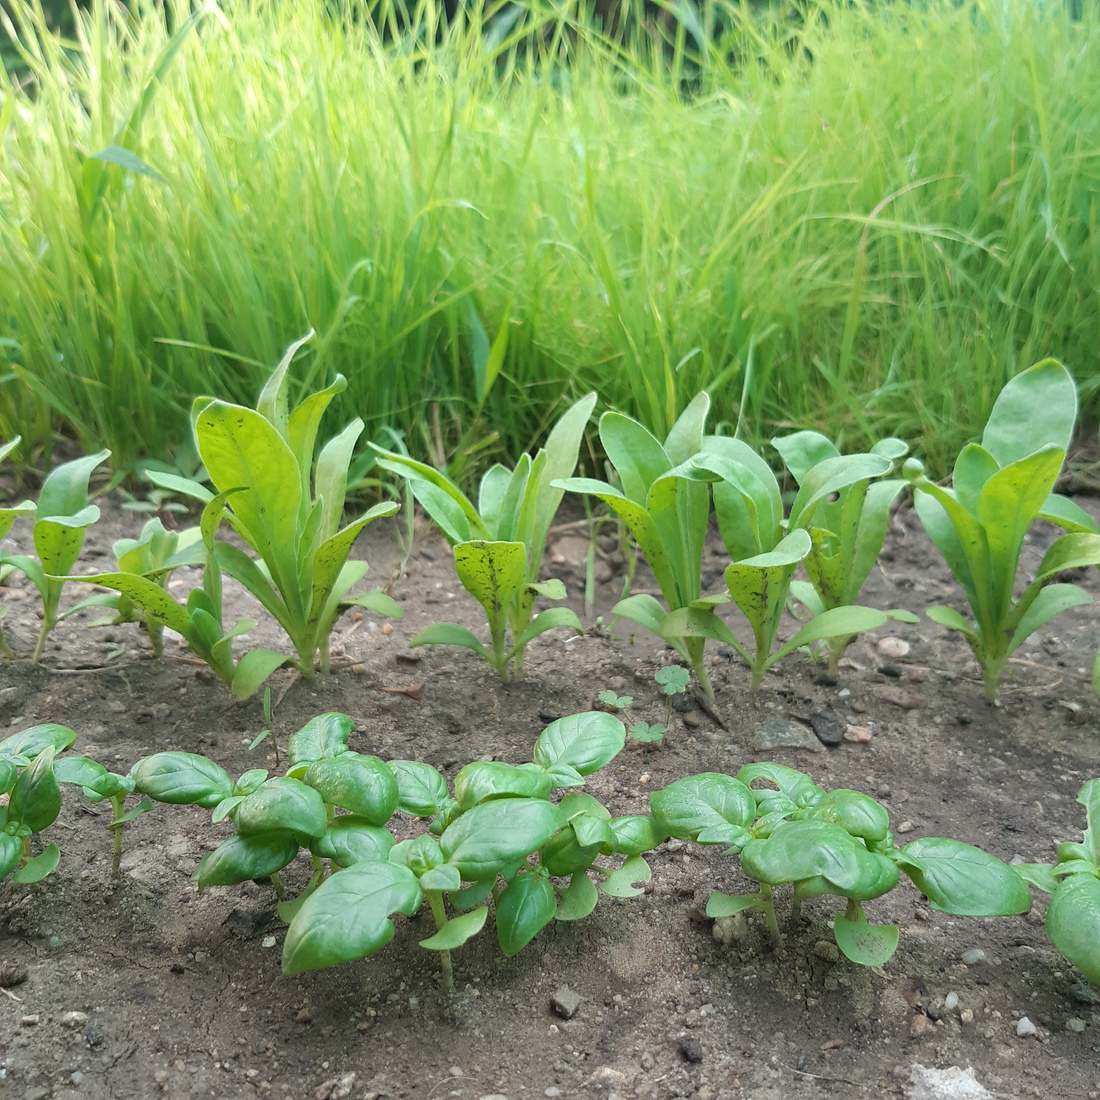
[{"x": 181, "y": 994}]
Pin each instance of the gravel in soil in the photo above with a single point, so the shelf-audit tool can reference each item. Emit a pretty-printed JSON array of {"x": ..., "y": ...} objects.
[{"x": 146, "y": 988}]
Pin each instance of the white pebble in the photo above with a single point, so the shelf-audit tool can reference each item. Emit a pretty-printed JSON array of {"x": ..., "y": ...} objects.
[
  {"x": 893, "y": 647},
  {"x": 974, "y": 955},
  {"x": 1025, "y": 1027},
  {"x": 951, "y": 1001}
]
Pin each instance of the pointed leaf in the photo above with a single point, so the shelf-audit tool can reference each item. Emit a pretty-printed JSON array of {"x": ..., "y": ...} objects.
[
  {"x": 963, "y": 880},
  {"x": 867, "y": 944},
  {"x": 449, "y": 634},
  {"x": 586, "y": 742},
  {"x": 578, "y": 899},
  {"x": 1037, "y": 407},
  {"x": 242, "y": 858},
  {"x": 1073, "y": 923},
  {"x": 36, "y": 869},
  {"x": 457, "y": 930},
  {"x": 493, "y": 834},
  {"x": 729, "y": 905},
  {"x": 322, "y": 737},
  {"x": 523, "y": 910}
]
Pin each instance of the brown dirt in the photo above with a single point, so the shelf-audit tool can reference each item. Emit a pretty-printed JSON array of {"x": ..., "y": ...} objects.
[{"x": 183, "y": 999}]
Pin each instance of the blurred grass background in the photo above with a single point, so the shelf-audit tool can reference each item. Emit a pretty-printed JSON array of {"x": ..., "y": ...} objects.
[{"x": 859, "y": 218}]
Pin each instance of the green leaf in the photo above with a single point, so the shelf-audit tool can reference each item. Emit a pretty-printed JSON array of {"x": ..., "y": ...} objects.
[
  {"x": 802, "y": 451},
  {"x": 153, "y": 601},
  {"x": 441, "y": 878},
  {"x": 421, "y": 476},
  {"x": 322, "y": 737},
  {"x": 245, "y": 857},
  {"x": 686, "y": 436},
  {"x": 36, "y": 869},
  {"x": 833, "y": 475},
  {"x": 8, "y": 775},
  {"x": 856, "y": 813},
  {"x": 11, "y": 852},
  {"x": 64, "y": 493},
  {"x": 30, "y": 742},
  {"x": 362, "y": 784},
  {"x": 638, "y": 458},
  {"x": 553, "y": 589},
  {"x": 35, "y": 800},
  {"x": 710, "y": 808},
  {"x": 79, "y": 770},
  {"x": 116, "y": 154},
  {"x": 346, "y": 918},
  {"x": 620, "y": 883},
  {"x": 642, "y": 609},
  {"x": 253, "y": 669},
  {"x": 647, "y": 734},
  {"x": 1089, "y": 797},
  {"x": 867, "y": 944},
  {"x": 963, "y": 880},
  {"x": 672, "y": 679},
  {"x": 550, "y": 619},
  {"x": 351, "y": 839},
  {"x": 1038, "y": 874},
  {"x": 182, "y": 778},
  {"x": 376, "y": 601},
  {"x": 795, "y": 789},
  {"x": 456, "y": 931},
  {"x": 578, "y": 899},
  {"x": 834, "y": 623},
  {"x": 303, "y": 423},
  {"x": 729, "y": 905},
  {"x": 949, "y": 617},
  {"x": 974, "y": 466},
  {"x": 421, "y": 790},
  {"x": 636, "y": 834},
  {"x": 492, "y": 572},
  {"x": 282, "y": 804},
  {"x": 483, "y": 780},
  {"x": 1073, "y": 923},
  {"x": 1049, "y": 603},
  {"x": 586, "y": 742},
  {"x": 1068, "y": 515},
  {"x": 1035, "y": 409},
  {"x": 523, "y": 910},
  {"x": 493, "y": 834},
  {"x": 331, "y": 476},
  {"x": 472, "y": 895},
  {"x": 449, "y": 634}
]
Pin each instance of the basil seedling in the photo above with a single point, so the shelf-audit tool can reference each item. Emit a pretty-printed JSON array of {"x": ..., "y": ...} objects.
[
  {"x": 666, "y": 506},
  {"x": 61, "y": 520},
  {"x": 998, "y": 489},
  {"x": 498, "y": 546},
  {"x": 1073, "y": 915},
  {"x": 288, "y": 511},
  {"x": 34, "y": 799},
  {"x": 828, "y": 842},
  {"x": 8, "y": 516},
  {"x": 847, "y": 530},
  {"x": 766, "y": 551}
]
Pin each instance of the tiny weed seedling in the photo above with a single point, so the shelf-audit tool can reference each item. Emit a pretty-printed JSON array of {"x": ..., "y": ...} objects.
[
  {"x": 847, "y": 530},
  {"x": 828, "y": 842},
  {"x": 269, "y": 728},
  {"x": 672, "y": 680},
  {"x": 61, "y": 520},
  {"x": 286, "y": 508},
  {"x": 498, "y": 546},
  {"x": 615, "y": 702},
  {"x": 999, "y": 488},
  {"x": 642, "y": 732},
  {"x": 1073, "y": 882},
  {"x": 766, "y": 551}
]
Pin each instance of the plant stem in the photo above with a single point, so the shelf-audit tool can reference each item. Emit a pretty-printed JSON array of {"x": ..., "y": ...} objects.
[
  {"x": 696, "y": 656},
  {"x": 318, "y": 868},
  {"x": 769, "y": 913},
  {"x": 991, "y": 676},
  {"x": 117, "y": 803},
  {"x": 47, "y": 625},
  {"x": 277, "y": 882},
  {"x": 5, "y": 649},
  {"x": 446, "y": 974},
  {"x": 156, "y": 638}
]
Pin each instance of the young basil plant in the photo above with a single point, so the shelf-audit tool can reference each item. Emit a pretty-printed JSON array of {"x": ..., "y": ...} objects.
[
  {"x": 665, "y": 504},
  {"x": 999, "y": 488},
  {"x": 61, "y": 520},
  {"x": 285, "y": 509},
  {"x": 479, "y": 846},
  {"x": 1073, "y": 915},
  {"x": 34, "y": 799},
  {"x": 499, "y": 544},
  {"x": 766, "y": 551},
  {"x": 847, "y": 529},
  {"x": 828, "y": 842},
  {"x": 154, "y": 555},
  {"x": 199, "y": 620},
  {"x": 8, "y": 516}
]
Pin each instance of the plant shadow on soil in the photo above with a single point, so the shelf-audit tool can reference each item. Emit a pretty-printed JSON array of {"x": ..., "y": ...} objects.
[{"x": 179, "y": 995}]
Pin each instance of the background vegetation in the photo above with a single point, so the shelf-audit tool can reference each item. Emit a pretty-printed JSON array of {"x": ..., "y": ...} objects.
[{"x": 864, "y": 219}]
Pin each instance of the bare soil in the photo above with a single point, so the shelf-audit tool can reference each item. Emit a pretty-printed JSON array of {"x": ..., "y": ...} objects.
[{"x": 181, "y": 996}]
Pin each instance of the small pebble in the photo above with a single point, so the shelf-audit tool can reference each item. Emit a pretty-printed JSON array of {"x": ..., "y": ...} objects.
[
  {"x": 1024, "y": 1027},
  {"x": 973, "y": 956},
  {"x": 918, "y": 1026},
  {"x": 825, "y": 950},
  {"x": 76, "y": 1077},
  {"x": 552, "y": 1091},
  {"x": 74, "y": 1019},
  {"x": 30, "y": 1021},
  {"x": 565, "y": 1002},
  {"x": 893, "y": 647},
  {"x": 303, "y": 1017},
  {"x": 1075, "y": 1024},
  {"x": 268, "y": 941},
  {"x": 906, "y": 827},
  {"x": 860, "y": 735},
  {"x": 951, "y": 1002},
  {"x": 387, "y": 629},
  {"x": 967, "y": 1016}
]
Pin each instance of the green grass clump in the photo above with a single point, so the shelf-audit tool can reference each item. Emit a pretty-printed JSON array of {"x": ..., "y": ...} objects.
[{"x": 864, "y": 219}]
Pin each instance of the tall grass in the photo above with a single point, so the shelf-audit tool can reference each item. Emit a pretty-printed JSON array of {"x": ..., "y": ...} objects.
[{"x": 864, "y": 219}]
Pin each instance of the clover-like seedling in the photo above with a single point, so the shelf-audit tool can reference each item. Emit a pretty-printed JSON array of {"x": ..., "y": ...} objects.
[
  {"x": 615, "y": 702},
  {"x": 1073, "y": 915},
  {"x": 672, "y": 680},
  {"x": 828, "y": 842},
  {"x": 647, "y": 734}
]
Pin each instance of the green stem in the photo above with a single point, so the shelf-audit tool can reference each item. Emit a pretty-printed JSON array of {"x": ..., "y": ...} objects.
[
  {"x": 446, "y": 974},
  {"x": 991, "y": 677},
  {"x": 696, "y": 656},
  {"x": 769, "y": 914},
  {"x": 318, "y": 868},
  {"x": 47, "y": 625},
  {"x": 852, "y": 913},
  {"x": 156, "y": 638},
  {"x": 117, "y": 803},
  {"x": 324, "y": 653},
  {"x": 277, "y": 882},
  {"x": 5, "y": 649}
]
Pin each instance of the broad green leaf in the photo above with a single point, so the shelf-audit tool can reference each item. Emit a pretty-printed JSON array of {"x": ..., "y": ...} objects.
[
  {"x": 241, "y": 858},
  {"x": 35, "y": 799},
  {"x": 30, "y": 742},
  {"x": 973, "y": 468},
  {"x": 564, "y": 855},
  {"x": 36, "y": 869},
  {"x": 1069, "y": 515},
  {"x": 64, "y": 493},
  {"x": 578, "y": 899},
  {"x": 801, "y": 451},
  {"x": 493, "y": 834},
  {"x": 686, "y": 436},
  {"x": 867, "y": 944},
  {"x": 8, "y": 516},
  {"x": 183, "y": 485},
  {"x": 1073, "y": 923},
  {"x": 421, "y": 790},
  {"x": 322, "y": 737},
  {"x": 690, "y": 623},
  {"x": 302, "y": 427},
  {"x": 1036, "y": 408},
  {"x": 870, "y": 533},
  {"x": 832, "y": 476},
  {"x": 472, "y": 895},
  {"x": 523, "y": 910},
  {"x": 11, "y": 852},
  {"x": 808, "y": 595},
  {"x": 949, "y": 617},
  {"x": 490, "y": 497},
  {"x": 483, "y": 780},
  {"x": 620, "y": 883},
  {"x": 729, "y": 905},
  {"x": 856, "y": 813},
  {"x": 638, "y": 458},
  {"x": 419, "y": 854},
  {"x": 642, "y": 609},
  {"x": 963, "y": 880},
  {"x": 586, "y": 742},
  {"x": 447, "y": 515},
  {"x": 552, "y": 618},
  {"x": 1050, "y": 602},
  {"x": 364, "y": 785},
  {"x": 710, "y": 808},
  {"x": 182, "y": 779},
  {"x": 492, "y": 572},
  {"x": 331, "y": 477},
  {"x": 282, "y": 805},
  {"x": 58, "y": 540},
  {"x": 346, "y": 918},
  {"x": 553, "y": 589},
  {"x": 796, "y": 788},
  {"x": 376, "y": 601},
  {"x": 449, "y": 634},
  {"x": 351, "y": 839},
  {"x": 456, "y": 931},
  {"x": 509, "y": 524},
  {"x": 834, "y": 623},
  {"x": 8, "y": 774},
  {"x": 156, "y": 604},
  {"x": 273, "y": 403},
  {"x": 7, "y": 448},
  {"x": 1089, "y": 797},
  {"x": 79, "y": 770},
  {"x": 253, "y": 669},
  {"x": 421, "y": 473},
  {"x": 1038, "y": 874},
  {"x": 958, "y": 536},
  {"x": 636, "y": 834}
]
